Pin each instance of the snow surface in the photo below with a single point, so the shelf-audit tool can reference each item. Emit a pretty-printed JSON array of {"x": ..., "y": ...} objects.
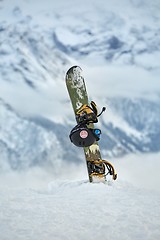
[
  {"x": 78, "y": 210},
  {"x": 37, "y": 205}
]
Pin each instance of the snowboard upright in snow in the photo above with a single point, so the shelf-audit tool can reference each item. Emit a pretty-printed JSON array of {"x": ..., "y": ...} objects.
[{"x": 97, "y": 168}]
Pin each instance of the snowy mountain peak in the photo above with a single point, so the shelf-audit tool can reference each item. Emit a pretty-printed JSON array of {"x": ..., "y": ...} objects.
[{"x": 117, "y": 46}]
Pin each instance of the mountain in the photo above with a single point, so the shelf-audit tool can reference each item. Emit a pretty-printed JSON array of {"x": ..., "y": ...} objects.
[
  {"x": 117, "y": 45},
  {"x": 24, "y": 144},
  {"x": 137, "y": 128}
]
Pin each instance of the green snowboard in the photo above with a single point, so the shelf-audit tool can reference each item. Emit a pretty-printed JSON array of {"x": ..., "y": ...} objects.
[{"x": 97, "y": 168}]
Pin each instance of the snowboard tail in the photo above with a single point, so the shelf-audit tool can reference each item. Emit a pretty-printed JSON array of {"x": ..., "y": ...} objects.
[{"x": 84, "y": 134}]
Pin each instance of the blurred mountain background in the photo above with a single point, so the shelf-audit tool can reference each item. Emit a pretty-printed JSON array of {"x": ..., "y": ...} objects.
[{"x": 117, "y": 44}]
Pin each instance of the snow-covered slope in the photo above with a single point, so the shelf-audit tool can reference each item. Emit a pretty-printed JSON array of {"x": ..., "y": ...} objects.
[
  {"x": 80, "y": 210},
  {"x": 36, "y": 205},
  {"x": 117, "y": 45}
]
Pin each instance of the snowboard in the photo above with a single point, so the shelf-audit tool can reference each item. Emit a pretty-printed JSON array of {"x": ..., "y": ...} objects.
[{"x": 97, "y": 168}]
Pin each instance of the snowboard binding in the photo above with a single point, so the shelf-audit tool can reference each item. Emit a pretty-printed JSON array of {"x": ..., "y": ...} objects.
[
  {"x": 100, "y": 168},
  {"x": 82, "y": 135}
]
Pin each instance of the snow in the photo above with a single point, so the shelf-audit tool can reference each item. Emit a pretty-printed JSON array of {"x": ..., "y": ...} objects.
[
  {"x": 78, "y": 210},
  {"x": 37, "y": 205},
  {"x": 117, "y": 45}
]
